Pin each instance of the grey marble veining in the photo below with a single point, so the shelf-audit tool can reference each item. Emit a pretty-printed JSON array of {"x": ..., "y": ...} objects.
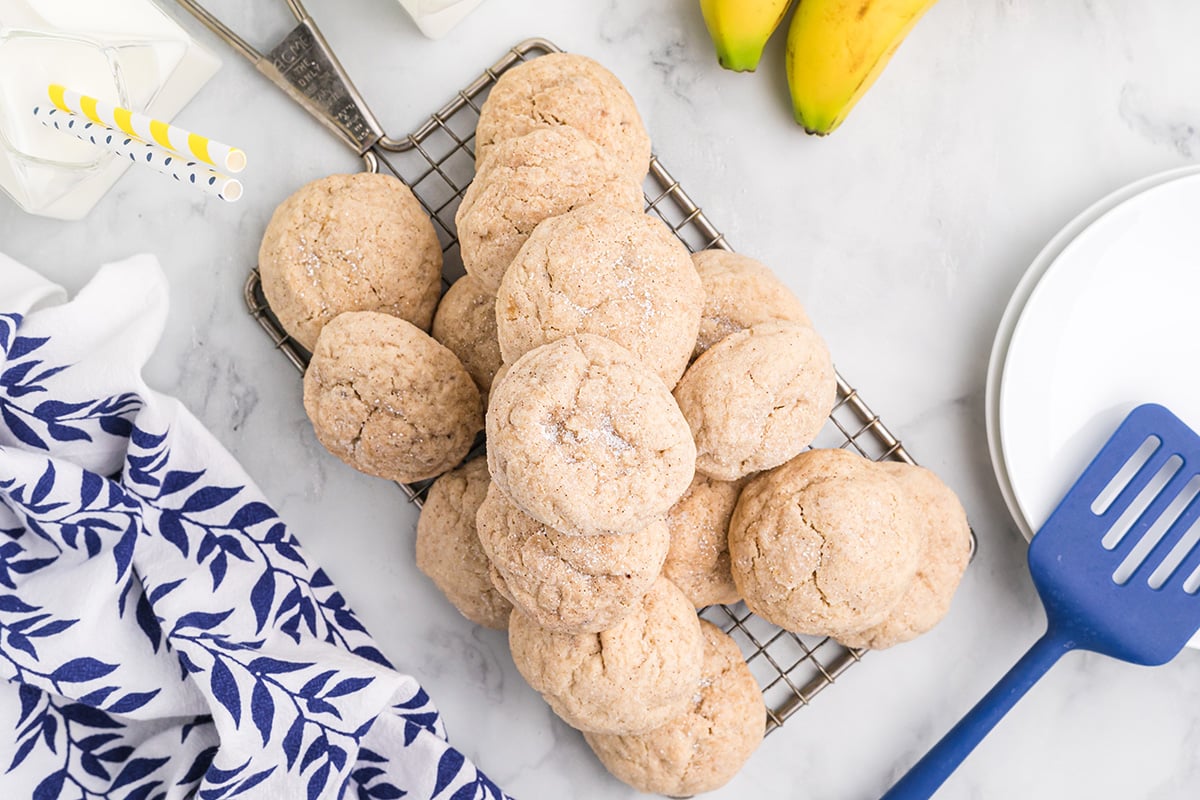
[{"x": 904, "y": 233}]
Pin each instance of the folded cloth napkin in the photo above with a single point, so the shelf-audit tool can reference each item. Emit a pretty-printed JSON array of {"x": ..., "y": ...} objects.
[{"x": 163, "y": 634}]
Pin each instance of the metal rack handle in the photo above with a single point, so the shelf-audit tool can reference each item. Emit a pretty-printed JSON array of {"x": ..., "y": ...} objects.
[{"x": 305, "y": 67}]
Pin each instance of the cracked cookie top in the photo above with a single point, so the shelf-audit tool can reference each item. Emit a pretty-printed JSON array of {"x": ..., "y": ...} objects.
[
  {"x": 389, "y": 400},
  {"x": 585, "y": 439},
  {"x": 945, "y": 551},
  {"x": 565, "y": 89},
  {"x": 466, "y": 323},
  {"x": 527, "y": 179},
  {"x": 356, "y": 242},
  {"x": 630, "y": 678},
  {"x": 739, "y": 292},
  {"x": 698, "y": 560},
  {"x": 609, "y": 271},
  {"x": 826, "y": 544},
  {"x": 448, "y": 549},
  {"x": 704, "y": 747},
  {"x": 569, "y": 584},
  {"x": 757, "y": 398}
]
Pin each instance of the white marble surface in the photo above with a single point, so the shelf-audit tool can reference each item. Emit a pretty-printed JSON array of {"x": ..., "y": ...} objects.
[{"x": 904, "y": 233}]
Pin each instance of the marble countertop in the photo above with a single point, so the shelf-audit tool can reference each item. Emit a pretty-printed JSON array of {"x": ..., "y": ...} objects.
[{"x": 904, "y": 233}]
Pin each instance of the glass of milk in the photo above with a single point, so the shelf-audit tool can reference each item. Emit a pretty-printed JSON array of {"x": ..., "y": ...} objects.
[
  {"x": 46, "y": 161},
  {"x": 121, "y": 51}
]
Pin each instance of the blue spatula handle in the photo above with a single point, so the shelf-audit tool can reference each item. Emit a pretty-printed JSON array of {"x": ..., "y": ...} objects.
[{"x": 931, "y": 771}]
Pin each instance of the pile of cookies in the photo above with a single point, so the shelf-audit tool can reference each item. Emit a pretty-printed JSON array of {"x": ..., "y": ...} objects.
[
  {"x": 648, "y": 416},
  {"x": 352, "y": 269}
]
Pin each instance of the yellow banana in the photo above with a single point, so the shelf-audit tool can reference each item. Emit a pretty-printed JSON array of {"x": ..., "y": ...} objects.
[
  {"x": 740, "y": 29},
  {"x": 837, "y": 48}
]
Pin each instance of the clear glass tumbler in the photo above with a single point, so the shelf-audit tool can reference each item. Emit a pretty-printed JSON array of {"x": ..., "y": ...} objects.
[{"x": 97, "y": 49}]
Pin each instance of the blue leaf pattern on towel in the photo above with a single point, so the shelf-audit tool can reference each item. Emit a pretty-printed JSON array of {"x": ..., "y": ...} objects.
[
  {"x": 30, "y": 417},
  {"x": 224, "y": 604}
]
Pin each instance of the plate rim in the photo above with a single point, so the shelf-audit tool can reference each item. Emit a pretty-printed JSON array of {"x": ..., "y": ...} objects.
[{"x": 1015, "y": 309}]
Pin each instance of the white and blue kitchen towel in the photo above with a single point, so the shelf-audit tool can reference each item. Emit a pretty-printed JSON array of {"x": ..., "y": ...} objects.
[{"x": 161, "y": 631}]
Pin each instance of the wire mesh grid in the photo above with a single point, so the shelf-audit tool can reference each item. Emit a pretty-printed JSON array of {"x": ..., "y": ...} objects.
[{"x": 437, "y": 162}]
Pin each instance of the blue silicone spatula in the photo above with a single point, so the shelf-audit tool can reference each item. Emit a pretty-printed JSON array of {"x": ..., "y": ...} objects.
[{"x": 1117, "y": 567}]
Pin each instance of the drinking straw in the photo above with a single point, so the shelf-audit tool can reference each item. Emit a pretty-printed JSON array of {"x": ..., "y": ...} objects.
[
  {"x": 159, "y": 160},
  {"x": 149, "y": 130}
]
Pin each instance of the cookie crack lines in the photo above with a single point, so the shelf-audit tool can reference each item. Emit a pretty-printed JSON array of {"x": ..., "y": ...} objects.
[
  {"x": 602, "y": 653},
  {"x": 709, "y": 733},
  {"x": 761, "y": 423},
  {"x": 541, "y": 115},
  {"x": 576, "y": 677},
  {"x": 310, "y": 317},
  {"x": 354, "y": 443},
  {"x": 514, "y": 224},
  {"x": 553, "y": 291},
  {"x": 816, "y": 573}
]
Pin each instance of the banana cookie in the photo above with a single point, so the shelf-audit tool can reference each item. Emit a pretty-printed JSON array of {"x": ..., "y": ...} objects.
[
  {"x": 739, "y": 292},
  {"x": 826, "y": 544},
  {"x": 356, "y": 242},
  {"x": 568, "y": 584},
  {"x": 584, "y": 438},
  {"x": 698, "y": 561},
  {"x": 562, "y": 89},
  {"x": 630, "y": 678},
  {"x": 448, "y": 549},
  {"x": 542, "y": 174},
  {"x": 609, "y": 271},
  {"x": 465, "y": 322},
  {"x": 389, "y": 400},
  {"x": 946, "y": 550},
  {"x": 757, "y": 398},
  {"x": 704, "y": 747}
]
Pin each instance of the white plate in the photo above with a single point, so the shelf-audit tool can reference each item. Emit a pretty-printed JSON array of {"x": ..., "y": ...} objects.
[{"x": 1034, "y": 362}]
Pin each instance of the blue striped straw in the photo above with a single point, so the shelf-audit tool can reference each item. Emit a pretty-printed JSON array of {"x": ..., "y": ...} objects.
[{"x": 156, "y": 158}]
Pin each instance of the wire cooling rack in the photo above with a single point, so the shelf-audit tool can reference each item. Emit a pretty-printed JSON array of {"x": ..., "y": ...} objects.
[{"x": 437, "y": 162}]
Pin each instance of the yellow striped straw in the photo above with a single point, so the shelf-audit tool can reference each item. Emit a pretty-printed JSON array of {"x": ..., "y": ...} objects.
[
  {"x": 135, "y": 150},
  {"x": 139, "y": 126}
]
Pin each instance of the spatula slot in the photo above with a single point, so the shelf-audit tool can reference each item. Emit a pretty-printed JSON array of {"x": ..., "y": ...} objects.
[
  {"x": 1124, "y": 475},
  {"x": 1140, "y": 503},
  {"x": 1192, "y": 584},
  {"x": 1155, "y": 534},
  {"x": 1163, "y": 572}
]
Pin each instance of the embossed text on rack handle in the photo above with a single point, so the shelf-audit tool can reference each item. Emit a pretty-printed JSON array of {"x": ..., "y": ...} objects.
[{"x": 304, "y": 66}]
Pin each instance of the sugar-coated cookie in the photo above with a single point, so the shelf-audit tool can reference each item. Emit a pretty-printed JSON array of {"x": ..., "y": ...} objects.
[
  {"x": 757, "y": 398},
  {"x": 698, "y": 561},
  {"x": 703, "y": 748},
  {"x": 568, "y": 584},
  {"x": 946, "y": 549},
  {"x": 584, "y": 438},
  {"x": 826, "y": 544},
  {"x": 565, "y": 89},
  {"x": 630, "y": 678},
  {"x": 465, "y": 322},
  {"x": 387, "y": 399},
  {"x": 608, "y": 271},
  {"x": 356, "y": 242},
  {"x": 448, "y": 549},
  {"x": 545, "y": 173},
  {"x": 739, "y": 292}
]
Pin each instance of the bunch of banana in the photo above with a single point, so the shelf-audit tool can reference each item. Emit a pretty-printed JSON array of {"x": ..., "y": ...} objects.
[{"x": 835, "y": 49}]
